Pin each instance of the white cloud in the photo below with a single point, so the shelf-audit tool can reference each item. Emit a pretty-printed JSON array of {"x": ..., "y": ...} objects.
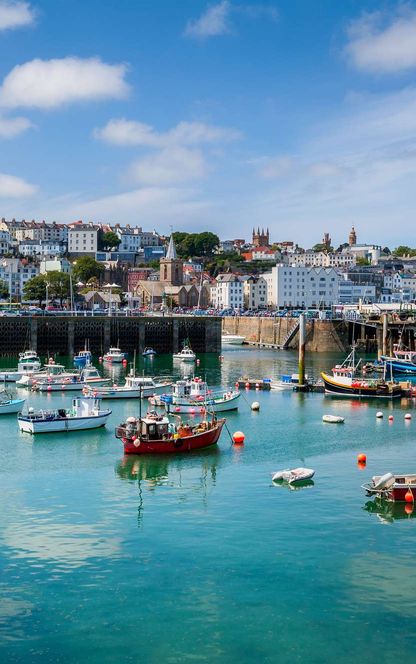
[
  {"x": 128, "y": 132},
  {"x": 51, "y": 83},
  {"x": 11, "y": 127},
  {"x": 385, "y": 44},
  {"x": 169, "y": 166},
  {"x": 14, "y": 187},
  {"x": 15, "y": 14},
  {"x": 182, "y": 207},
  {"x": 215, "y": 21}
]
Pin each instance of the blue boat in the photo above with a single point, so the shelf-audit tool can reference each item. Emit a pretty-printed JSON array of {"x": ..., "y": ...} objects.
[
  {"x": 83, "y": 358},
  {"x": 401, "y": 362}
]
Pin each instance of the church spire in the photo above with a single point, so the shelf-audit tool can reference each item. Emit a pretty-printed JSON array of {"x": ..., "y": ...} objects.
[{"x": 171, "y": 252}]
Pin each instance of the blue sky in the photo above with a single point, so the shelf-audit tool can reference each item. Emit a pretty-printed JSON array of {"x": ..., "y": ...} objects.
[{"x": 296, "y": 115}]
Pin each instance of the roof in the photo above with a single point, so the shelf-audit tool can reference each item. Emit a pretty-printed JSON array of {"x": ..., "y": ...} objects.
[{"x": 171, "y": 252}]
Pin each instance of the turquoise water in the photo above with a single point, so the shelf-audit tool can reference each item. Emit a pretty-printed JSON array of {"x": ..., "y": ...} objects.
[{"x": 200, "y": 558}]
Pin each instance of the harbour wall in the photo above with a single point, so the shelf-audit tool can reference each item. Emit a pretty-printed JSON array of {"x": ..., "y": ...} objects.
[
  {"x": 66, "y": 335},
  {"x": 321, "y": 335}
]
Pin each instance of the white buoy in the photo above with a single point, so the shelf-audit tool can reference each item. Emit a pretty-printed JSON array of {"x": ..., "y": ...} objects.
[
  {"x": 408, "y": 416},
  {"x": 255, "y": 405},
  {"x": 379, "y": 414}
]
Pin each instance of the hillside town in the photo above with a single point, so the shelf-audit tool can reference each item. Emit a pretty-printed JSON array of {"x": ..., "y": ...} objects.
[{"x": 105, "y": 267}]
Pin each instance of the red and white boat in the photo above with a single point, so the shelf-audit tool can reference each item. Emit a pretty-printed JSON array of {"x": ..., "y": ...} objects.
[
  {"x": 392, "y": 487},
  {"x": 155, "y": 434}
]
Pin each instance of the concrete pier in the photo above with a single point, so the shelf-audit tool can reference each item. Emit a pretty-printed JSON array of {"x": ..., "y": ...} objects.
[{"x": 66, "y": 335}]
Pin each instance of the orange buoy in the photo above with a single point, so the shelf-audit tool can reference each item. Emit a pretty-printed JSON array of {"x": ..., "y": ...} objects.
[
  {"x": 408, "y": 508},
  {"x": 408, "y": 496},
  {"x": 238, "y": 437},
  {"x": 362, "y": 458},
  {"x": 361, "y": 465}
]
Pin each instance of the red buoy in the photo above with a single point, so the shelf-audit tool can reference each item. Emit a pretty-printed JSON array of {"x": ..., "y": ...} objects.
[
  {"x": 247, "y": 385},
  {"x": 391, "y": 418},
  {"x": 237, "y": 384},
  {"x": 409, "y": 497},
  {"x": 238, "y": 437},
  {"x": 362, "y": 458}
]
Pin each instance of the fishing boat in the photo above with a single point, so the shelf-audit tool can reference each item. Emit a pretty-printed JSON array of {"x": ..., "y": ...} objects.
[
  {"x": 294, "y": 475},
  {"x": 401, "y": 362},
  {"x": 185, "y": 355},
  {"x": 9, "y": 405},
  {"x": 392, "y": 486},
  {"x": 50, "y": 369},
  {"x": 149, "y": 352},
  {"x": 114, "y": 355},
  {"x": 29, "y": 356},
  {"x": 333, "y": 419},
  {"x": 85, "y": 413},
  {"x": 89, "y": 376},
  {"x": 193, "y": 395},
  {"x": 345, "y": 382},
  {"x": 155, "y": 434},
  {"x": 135, "y": 387},
  {"x": 83, "y": 358},
  {"x": 232, "y": 339},
  {"x": 286, "y": 382},
  {"x": 24, "y": 368}
]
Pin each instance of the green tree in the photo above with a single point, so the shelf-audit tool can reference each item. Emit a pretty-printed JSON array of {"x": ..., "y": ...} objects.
[
  {"x": 109, "y": 240},
  {"x": 363, "y": 261},
  {"x": 59, "y": 285},
  {"x": 321, "y": 247},
  {"x": 35, "y": 288},
  {"x": 4, "y": 290},
  {"x": 86, "y": 268},
  {"x": 404, "y": 250},
  {"x": 206, "y": 243}
]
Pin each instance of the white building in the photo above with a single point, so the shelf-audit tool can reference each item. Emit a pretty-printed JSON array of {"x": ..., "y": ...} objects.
[
  {"x": 254, "y": 292},
  {"x": 323, "y": 259},
  {"x": 302, "y": 287},
  {"x": 41, "y": 248},
  {"x": 55, "y": 265},
  {"x": 147, "y": 238},
  {"x": 353, "y": 293},
  {"x": 130, "y": 241},
  {"x": 227, "y": 292},
  {"x": 5, "y": 242},
  {"x": 82, "y": 238},
  {"x": 16, "y": 273},
  {"x": 371, "y": 252}
]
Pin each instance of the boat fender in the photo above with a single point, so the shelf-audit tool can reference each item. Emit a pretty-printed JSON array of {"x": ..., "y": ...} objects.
[
  {"x": 136, "y": 442},
  {"x": 385, "y": 481}
]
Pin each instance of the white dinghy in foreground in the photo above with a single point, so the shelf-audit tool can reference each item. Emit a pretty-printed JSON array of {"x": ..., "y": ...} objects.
[
  {"x": 294, "y": 475},
  {"x": 333, "y": 419}
]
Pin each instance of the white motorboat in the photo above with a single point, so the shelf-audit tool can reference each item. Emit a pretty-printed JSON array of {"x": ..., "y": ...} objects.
[
  {"x": 114, "y": 355},
  {"x": 89, "y": 376},
  {"x": 194, "y": 396},
  {"x": 24, "y": 368},
  {"x": 185, "y": 355},
  {"x": 29, "y": 356},
  {"x": 294, "y": 475},
  {"x": 333, "y": 419},
  {"x": 232, "y": 339},
  {"x": 85, "y": 413},
  {"x": 135, "y": 387},
  {"x": 149, "y": 352}
]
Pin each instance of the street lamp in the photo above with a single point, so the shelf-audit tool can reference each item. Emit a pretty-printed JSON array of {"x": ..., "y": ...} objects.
[{"x": 110, "y": 286}]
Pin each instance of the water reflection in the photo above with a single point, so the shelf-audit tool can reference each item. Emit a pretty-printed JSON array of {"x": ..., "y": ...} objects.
[
  {"x": 194, "y": 474},
  {"x": 389, "y": 511},
  {"x": 306, "y": 484}
]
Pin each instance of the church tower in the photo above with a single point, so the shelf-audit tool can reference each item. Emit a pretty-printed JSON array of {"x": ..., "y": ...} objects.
[
  {"x": 171, "y": 267},
  {"x": 352, "y": 238}
]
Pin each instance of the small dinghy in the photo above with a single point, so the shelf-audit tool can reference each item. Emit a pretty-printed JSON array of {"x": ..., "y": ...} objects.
[
  {"x": 294, "y": 475},
  {"x": 333, "y": 419}
]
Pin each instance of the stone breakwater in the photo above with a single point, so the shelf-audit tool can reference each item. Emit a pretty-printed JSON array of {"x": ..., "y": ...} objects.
[
  {"x": 321, "y": 335},
  {"x": 67, "y": 335}
]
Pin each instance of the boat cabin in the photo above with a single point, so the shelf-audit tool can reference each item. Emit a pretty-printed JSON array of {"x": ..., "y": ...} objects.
[
  {"x": 154, "y": 427},
  {"x": 137, "y": 382},
  {"x": 195, "y": 388},
  {"x": 89, "y": 372}
]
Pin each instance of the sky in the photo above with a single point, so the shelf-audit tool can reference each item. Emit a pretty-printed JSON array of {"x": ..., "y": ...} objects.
[{"x": 295, "y": 115}]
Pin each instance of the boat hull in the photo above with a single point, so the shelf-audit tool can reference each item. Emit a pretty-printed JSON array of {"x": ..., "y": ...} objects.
[
  {"x": 378, "y": 391},
  {"x": 68, "y": 386},
  {"x": 10, "y": 376},
  {"x": 13, "y": 406},
  {"x": 399, "y": 366},
  {"x": 175, "y": 446},
  {"x": 62, "y": 424},
  {"x": 232, "y": 340},
  {"x": 219, "y": 406}
]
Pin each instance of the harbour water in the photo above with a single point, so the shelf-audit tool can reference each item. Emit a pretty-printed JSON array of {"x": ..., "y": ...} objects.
[{"x": 200, "y": 558}]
